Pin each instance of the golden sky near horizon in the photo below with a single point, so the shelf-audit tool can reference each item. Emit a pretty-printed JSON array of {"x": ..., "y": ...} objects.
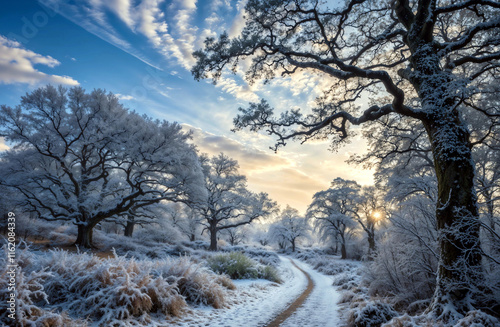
[{"x": 293, "y": 174}]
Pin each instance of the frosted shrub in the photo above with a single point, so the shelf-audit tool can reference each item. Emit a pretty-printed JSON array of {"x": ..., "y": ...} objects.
[
  {"x": 478, "y": 319},
  {"x": 115, "y": 291},
  {"x": 197, "y": 284},
  {"x": 238, "y": 266},
  {"x": 402, "y": 270},
  {"x": 409, "y": 321},
  {"x": 235, "y": 264},
  {"x": 30, "y": 297},
  {"x": 371, "y": 314},
  {"x": 262, "y": 256}
]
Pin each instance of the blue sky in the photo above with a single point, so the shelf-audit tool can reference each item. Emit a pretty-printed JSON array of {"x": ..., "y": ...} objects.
[{"x": 142, "y": 51}]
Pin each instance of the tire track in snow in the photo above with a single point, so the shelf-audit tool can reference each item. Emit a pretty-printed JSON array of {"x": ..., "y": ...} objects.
[{"x": 285, "y": 314}]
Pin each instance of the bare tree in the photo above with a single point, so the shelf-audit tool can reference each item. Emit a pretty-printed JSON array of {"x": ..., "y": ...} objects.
[
  {"x": 369, "y": 214},
  {"x": 229, "y": 203},
  {"x": 289, "y": 228},
  {"x": 185, "y": 219},
  {"x": 334, "y": 211},
  {"x": 428, "y": 60}
]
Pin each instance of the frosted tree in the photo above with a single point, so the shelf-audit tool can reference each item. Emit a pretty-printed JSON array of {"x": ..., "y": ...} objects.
[
  {"x": 82, "y": 157},
  {"x": 262, "y": 235},
  {"x": 334, "y": 211},
  {"x": 289, "y": 228},
  {"x": 369, "y": 214},
  {"x": 229, "y": 203},
  {"x": 424, "y": 61},
  {"x": 236, "y": 235},
  {"x": 185, "y": 219}
]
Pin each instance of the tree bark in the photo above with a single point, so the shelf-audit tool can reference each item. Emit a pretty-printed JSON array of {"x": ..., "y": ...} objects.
[
  {"x": 371, "y": 243},
  {"x": 213, "y": 236},
  {"x": 293, "y": 245},
  {"x": 84, "y": 238},
  {"x": 129, "y": 227},
  {"x": 459, "y": 269},
  {"x": 343, "y": 251}
]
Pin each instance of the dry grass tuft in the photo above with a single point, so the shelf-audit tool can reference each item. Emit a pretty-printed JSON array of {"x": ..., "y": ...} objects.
[
  {"x": 111, "y": 291},
  {"x": 225, "y": 281}
]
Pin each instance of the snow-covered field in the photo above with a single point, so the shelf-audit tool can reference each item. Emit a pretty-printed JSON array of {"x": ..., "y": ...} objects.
[{"x": 256, "y": 302}]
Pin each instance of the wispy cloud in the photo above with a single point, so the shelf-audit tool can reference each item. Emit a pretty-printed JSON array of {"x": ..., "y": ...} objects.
[
  {"x": 17, "y": 66},
  {"x": 239, "y": 21},
  {"x": 169, "y": 26},
  {"x": 124, "y": 97},
  {"x": 91, "y": 16}
]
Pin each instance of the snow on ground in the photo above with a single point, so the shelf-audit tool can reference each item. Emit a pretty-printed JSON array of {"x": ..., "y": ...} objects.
[
  {"x": 254, "y": 303},
  {"x": 320, "y": 308}
]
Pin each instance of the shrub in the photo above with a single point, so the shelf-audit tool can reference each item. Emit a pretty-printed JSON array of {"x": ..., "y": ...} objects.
[
  {"x": 238, "y": 266},
  {"x": 477, "y": 319},
  {"x": 113, "y": 291},
  {"x": 235, "y": 264},
  {"x": 269, "y": 273},
  {"x": 372, "y": 314}
]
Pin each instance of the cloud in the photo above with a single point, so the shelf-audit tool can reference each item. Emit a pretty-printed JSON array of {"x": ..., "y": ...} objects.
[
  {"x": 168, "y": 27},
  {"x": 91, "y": 16},
  {"x": 3, "y": 146},
  {"x": 241, "y": 90},
  {"x": 124, "y": 97},
  {"x": 288, "y": 186},
  {"x": 17, "y": 66},
  {"x": 239, "y": 20},
  {"x": 122, "y": 9},
  {"x": 250, "y": 159}
]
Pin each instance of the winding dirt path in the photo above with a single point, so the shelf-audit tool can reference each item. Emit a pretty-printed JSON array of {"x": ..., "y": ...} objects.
[{"x": 285, "y": 314}]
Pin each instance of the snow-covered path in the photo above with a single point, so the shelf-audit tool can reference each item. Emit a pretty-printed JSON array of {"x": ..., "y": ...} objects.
[
  {"x": 256, "y": 303},
  {"x": 320, "y": 308}
]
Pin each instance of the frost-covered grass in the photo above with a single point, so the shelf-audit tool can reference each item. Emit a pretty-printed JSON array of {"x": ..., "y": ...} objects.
[
  {"x": 121, "y": 291},
  {"x": 238, "y": 266},
  {"x": 126, "y": 281}
]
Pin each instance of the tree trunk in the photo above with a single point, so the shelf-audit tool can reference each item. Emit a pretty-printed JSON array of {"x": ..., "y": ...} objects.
[
  {"x": 371, "y": 243},
  {"x": 192, "y": 237},
  {"x": 343, "y": 250},
  {"x": 213, "y": 237},
  {"x": 84, "y": 238},
  {"x": 293, "y": 245},
  {"x": 129, "y": 227},
  {"x": 459, "y": 269}
]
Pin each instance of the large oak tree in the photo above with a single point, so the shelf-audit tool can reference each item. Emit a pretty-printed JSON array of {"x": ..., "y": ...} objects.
[
  {"x": 82, "y": 157},
  {"x": 430, "y": 61}
]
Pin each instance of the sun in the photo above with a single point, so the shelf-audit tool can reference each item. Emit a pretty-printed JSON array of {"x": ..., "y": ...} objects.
[{"x": 376, "y": 215}]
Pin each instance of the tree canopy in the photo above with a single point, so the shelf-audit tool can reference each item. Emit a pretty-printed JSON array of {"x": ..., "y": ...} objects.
[{"x": 82, "y": 157}]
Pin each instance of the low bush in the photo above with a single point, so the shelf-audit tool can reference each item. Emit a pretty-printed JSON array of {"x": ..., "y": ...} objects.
[
  {"x": 114, "y": 291},
  {"x": 477, "y": 318},
  {"x": 371, "y": 314},
  {"x": 238, "y": 266}
]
